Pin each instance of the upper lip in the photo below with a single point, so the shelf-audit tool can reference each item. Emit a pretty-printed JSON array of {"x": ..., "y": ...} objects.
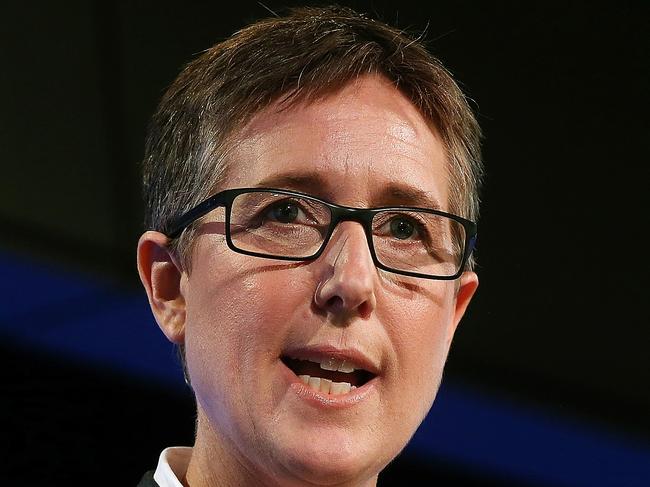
[{"x": 318, "y": 353}]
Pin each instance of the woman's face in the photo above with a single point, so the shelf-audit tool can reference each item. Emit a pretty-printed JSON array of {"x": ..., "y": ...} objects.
[{"x": 248, "y": 320}]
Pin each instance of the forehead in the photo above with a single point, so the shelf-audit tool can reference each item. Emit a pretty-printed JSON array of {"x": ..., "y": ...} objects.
[{"x": 365, "y": 145}]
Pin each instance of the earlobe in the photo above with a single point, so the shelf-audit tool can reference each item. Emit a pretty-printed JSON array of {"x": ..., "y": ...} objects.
[{"x": 161, "y": 277}]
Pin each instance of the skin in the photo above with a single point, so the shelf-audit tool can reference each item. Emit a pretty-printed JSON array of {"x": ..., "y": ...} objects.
[{"x": 236, "y": 314}]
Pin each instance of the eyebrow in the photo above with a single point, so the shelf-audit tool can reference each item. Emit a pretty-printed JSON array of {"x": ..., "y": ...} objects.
[
  {"x": 407, "y": 195},
  {"x": 316, "y": 184},
  {"x": 310, "y": 182}
]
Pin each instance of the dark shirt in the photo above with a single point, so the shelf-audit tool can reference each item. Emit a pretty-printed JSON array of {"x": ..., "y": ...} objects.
[{"x": 147, "y": 480}]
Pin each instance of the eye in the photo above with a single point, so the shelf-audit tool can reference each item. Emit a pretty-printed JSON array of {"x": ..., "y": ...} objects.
[
  {"x": 284, "y": 212},
  {"x": 401, "y": 228}
]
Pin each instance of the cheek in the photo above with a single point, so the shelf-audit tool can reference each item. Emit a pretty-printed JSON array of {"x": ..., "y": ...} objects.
[
  {"x": 238, "y": 312},
  {"x": 420, "y": 335}
]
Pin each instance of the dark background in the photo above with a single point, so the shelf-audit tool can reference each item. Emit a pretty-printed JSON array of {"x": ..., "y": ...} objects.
[{"x": 559, "y": 325}]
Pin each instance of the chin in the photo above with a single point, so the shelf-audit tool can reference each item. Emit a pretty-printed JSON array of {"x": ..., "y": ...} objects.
[{"x": 332, "y": 462}]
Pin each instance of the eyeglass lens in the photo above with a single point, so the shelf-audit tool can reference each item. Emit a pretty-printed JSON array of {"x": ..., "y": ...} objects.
[{"x": 278, "y": 224}]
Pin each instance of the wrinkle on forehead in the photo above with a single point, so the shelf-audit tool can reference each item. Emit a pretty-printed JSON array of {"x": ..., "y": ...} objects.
[
  {"x": 368, "y": 132},
  {"x": 358, "y": 100}
]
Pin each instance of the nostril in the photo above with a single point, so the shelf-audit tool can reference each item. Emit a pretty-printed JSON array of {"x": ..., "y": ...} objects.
[
  {"x": 341, "y": 295},
  {"x": 365, "y": 308},
  {"x": 335, "y": 303}
]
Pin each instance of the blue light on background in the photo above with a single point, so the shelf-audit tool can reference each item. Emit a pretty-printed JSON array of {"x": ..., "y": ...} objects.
[{"x": 101, "y": 324}]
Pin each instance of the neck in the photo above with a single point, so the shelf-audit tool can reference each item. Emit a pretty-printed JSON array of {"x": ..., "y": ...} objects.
[{"x": 212, "y": 461}]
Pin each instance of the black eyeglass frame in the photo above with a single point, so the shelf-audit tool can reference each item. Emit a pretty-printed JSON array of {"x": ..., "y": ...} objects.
[{"x": 339, "y": 213}]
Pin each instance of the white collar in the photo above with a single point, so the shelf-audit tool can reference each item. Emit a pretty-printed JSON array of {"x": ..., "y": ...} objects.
[{"x": 172, "y": 465}]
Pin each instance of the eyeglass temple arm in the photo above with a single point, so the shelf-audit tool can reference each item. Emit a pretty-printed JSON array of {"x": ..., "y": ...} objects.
[{"x": 177, "y": 227}]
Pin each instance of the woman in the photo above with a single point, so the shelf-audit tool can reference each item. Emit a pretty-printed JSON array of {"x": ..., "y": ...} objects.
[{"x": 311, "y": 188}]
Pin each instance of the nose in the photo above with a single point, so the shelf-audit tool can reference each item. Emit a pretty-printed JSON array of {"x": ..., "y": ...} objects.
[{"x": 347, "y": 277}]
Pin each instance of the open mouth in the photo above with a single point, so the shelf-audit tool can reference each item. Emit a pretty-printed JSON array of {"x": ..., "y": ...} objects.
[{"x": 330, "y": 376}]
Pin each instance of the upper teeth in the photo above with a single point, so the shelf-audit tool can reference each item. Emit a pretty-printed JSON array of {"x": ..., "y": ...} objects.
[
  {"x": 327, "y": 386},
  {"x": 336, "y": 365}
]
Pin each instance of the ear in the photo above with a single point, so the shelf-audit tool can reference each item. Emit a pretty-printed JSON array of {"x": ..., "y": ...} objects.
[
  {"x": 468, "y": 283},
  {"x": 161, "y": 276}
]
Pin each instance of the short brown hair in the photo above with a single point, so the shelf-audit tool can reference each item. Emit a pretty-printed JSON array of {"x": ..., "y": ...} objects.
[{"x": 301, "y": 56}]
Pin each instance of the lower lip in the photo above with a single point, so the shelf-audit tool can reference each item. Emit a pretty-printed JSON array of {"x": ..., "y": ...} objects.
[{"x": 327, "y": 401}]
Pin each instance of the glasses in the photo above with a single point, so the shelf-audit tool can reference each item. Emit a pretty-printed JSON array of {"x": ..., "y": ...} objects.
[{"x": 288, "y": 225}]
